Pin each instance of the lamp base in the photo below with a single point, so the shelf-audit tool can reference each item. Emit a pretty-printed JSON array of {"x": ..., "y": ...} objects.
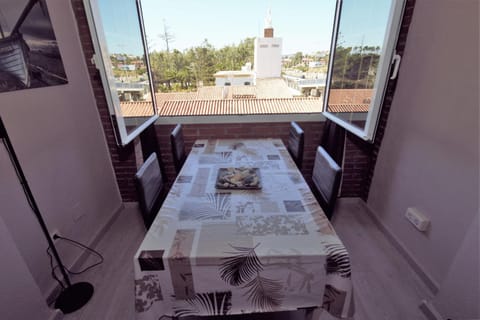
[{"x": 74, "y": 297}]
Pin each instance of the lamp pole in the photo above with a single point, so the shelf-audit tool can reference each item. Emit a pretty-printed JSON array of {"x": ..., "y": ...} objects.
[{"x": 74, "y": 296}]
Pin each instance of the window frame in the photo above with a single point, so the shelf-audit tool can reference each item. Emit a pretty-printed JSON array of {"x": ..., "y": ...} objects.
[
  {"x": 101, "y": 60},
  {"x": 388, "y": 58}
]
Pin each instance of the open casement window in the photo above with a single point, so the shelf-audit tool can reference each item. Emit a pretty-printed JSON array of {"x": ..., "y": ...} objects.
[
  {"x": 363, "y": 59},
  {"x": 121, "y": 57}
]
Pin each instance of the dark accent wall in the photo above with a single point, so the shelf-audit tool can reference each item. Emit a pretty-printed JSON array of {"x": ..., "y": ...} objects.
[{"x": 360, "y": 156}]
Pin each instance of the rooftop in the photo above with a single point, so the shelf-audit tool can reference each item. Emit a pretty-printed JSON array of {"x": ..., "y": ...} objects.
[
  {"x": 178, "y": 107},
  {"x": 268, "y": 96}
]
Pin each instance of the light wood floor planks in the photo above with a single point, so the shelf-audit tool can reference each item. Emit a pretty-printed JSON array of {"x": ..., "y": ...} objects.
[
  {"x": 113, "y": 279},
  {"x": 386, "y": 288}
]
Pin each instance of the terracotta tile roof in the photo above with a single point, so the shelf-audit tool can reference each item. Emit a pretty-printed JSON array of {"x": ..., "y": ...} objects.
[
  {"x": 176, "y": 96},
  {"x": 345, "y": 107},
  {"x": 243, "y": 92},
  {"x": 235, "y": 107},
  {"x": 272, "y": 89},
  {"x": 210, "y": 93},
  {"x": 350, "y": 96},
  {"x": 136, "y": 109},
  {"x": 268, "y": 96}
]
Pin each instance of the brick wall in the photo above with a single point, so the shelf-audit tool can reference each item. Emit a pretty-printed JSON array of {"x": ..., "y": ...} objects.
[
  {"x": 356, "y": 167},
  {"x": 356, "y": 155},
  {"x": 123, "y": 159},
  {"x": 191, "y": 132}
]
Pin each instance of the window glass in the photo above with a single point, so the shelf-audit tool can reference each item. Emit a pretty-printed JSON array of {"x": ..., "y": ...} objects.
[
  {"x": 251, "y": 73},
  {"x": 240, "y": 58},
  {"x": 362, "y": 51},
  {"x": 123, "y": 63}
]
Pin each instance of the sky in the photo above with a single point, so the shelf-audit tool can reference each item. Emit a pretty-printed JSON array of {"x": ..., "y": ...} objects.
[{"x": 304, "y": 25}]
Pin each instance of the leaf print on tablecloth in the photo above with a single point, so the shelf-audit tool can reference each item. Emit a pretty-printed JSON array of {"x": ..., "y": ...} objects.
[
  {"x": 217, "y": 157},
  {"x": 338, "y": 260},
  {"x": 147, "y": 291},
  {"x": 221, "y": 202},
  {"x": 205, "y": 304},
  {"x": 214, "y": 206},
  {"x": 264, "y": 294},
  {"x": 241, "y": 267}
]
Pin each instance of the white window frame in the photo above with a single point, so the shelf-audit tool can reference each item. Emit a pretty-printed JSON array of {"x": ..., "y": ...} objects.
[
  {"x": 101, "y": 60},
  {"x": 388, "y": 60},
  {"x": 388, "y": 56}
]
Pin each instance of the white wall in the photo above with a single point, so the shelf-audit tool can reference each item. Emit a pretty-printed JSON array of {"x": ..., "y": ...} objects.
[
  {"x": 19, "y": 293},
  {"x": 267, "y": 61},
  {"x": 58, "y": 138},
  {"x": 459, "y": 297},
  {"x": 234, "y": 81},
  {"x": 429, "y": 157}
]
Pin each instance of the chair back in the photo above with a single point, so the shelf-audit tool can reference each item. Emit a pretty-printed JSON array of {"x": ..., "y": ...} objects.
[
  {"x": 333, "y": 140},
  {"x": 326, "y": 178},
  {"x": 296, "y": 142},
  {"x": 178, "y": 147},
  {"x": 149, "y": 184}
]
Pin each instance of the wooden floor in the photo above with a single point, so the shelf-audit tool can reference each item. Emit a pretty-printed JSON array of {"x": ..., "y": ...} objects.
[{"x": 386, "y": 288}]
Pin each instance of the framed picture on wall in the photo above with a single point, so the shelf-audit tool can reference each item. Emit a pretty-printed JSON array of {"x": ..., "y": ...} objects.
[{"x": 29, "y": 54}]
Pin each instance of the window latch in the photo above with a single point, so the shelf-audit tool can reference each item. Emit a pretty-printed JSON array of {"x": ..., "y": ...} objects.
[
  {"x": 94, "y": 61},
  {"x": 396, "y": 65}
]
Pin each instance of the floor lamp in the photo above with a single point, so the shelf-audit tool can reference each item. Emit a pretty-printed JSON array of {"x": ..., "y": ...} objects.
[{"x": 73, "y": 296}]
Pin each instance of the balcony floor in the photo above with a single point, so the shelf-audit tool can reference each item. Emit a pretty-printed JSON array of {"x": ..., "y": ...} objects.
[{"x": 385, "y": 286}]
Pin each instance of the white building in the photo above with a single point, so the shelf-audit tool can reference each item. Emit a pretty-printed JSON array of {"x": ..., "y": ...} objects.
[
  {"x": 126, "y": 67},
  {"x": 245, "y": 77},
  {"x": 268, "y": 53}
]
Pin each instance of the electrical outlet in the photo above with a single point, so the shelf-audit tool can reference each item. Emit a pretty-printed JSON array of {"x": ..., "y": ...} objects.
[{"x": 418, "y": 219}]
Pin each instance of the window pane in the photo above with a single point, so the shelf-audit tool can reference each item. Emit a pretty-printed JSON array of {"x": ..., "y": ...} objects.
[
  {"x": 256, "y": 61},
  {"x": 361, "y": 32},
  {"x": 127, "y": 59}
]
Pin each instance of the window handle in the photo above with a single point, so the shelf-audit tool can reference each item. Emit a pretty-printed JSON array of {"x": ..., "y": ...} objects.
[{"x": 396, "y": 65}]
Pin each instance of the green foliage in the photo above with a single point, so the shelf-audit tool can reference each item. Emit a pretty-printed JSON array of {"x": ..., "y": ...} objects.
[
  {"x": 355, "y": 67},
  {"x": 176, "y": 70},
  {"x": 297, "y": 58}
]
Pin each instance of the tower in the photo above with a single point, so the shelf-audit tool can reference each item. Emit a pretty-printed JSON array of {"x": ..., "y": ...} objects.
[{"x": 268, "y": 52}]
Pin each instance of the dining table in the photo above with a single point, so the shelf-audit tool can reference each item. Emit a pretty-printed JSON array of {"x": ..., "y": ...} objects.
[{"x": 240, "y": 232}]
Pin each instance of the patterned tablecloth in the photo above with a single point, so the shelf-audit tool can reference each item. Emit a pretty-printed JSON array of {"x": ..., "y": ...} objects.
[{"x": 215, "y": 252}]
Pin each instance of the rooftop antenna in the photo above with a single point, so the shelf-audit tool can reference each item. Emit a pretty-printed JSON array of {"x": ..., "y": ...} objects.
[{"x": 268, "y": 19}]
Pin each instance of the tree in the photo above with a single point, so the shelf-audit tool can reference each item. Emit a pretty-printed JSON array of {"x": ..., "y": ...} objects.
[
  {"x": 297, "y": 58},
  {"x": 205, "y": 62},
  {"x": 354, "y": 67},
  {"x": 186, "y": 70},
  {"x": 166, "y": 35}
]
